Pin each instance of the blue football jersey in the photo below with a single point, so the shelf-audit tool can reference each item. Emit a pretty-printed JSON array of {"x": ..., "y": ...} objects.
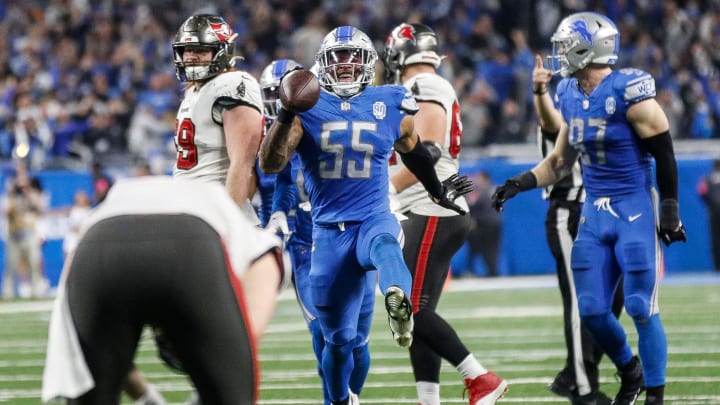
[
  {"x": 345, "y": 149},
  {"x": 291, "y": 197},
  {"x": 265, "y": 188},
  {"x": 614, "y": 160}
]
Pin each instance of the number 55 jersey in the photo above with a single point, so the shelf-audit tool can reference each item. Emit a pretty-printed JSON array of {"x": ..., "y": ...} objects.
[{"x": 345, "y": 149}]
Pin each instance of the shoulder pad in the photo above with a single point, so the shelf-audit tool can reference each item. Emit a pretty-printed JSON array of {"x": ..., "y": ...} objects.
[
  {"x": 239, "y": 86},
  {"x": 636, "y": 85},
  {"x": 408, "y": 103},
  {"x": 432, "y": 88}
]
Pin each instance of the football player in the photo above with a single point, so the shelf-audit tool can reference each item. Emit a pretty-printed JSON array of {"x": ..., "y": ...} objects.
[
  {"x": 432, "y": 233},
  {"x": 219, "y": 122},
  {"x": 579, "y": 379},
  {"x": 613, "y": 123},
  {"x": 291, "y": 201},
  {"x": 344, "y": 143},
  {"x": 155, "y": 254}
]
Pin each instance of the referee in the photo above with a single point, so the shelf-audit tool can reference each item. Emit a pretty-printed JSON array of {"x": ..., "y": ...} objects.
[{"x": 578, "y": 380}]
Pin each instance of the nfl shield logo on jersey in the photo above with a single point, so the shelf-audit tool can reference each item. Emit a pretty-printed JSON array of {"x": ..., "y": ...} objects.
[
  {"x": 610, "y": 105},
  {"x": 379, "y": 110}
]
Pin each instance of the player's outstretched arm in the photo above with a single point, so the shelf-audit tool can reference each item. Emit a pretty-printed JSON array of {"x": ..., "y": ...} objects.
[
  {"x": 550, "y": 170},
  {"x": 279, "y": 144},
  {"x": 419, "y": 160},
  {"x": 299, "y": 91}
]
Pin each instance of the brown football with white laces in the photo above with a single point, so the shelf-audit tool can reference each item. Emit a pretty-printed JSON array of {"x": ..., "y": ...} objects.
[{"x": 299, "y": 90}]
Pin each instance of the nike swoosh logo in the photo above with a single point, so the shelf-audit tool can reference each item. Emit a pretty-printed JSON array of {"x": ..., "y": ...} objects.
[{"x": 632, "y": 218}]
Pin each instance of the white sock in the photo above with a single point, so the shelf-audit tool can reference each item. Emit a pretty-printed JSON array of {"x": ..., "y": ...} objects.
[
  {"x": 471, "y": 368},
  {"x": 428, "y": 393}
]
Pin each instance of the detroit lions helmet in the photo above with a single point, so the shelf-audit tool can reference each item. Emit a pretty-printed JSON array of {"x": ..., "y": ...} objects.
[
  {"x": 270, "y": 83},
  {"x": 408, "y": 44},
  {"x": 346, "y": 61},
  {"x": 584, "y": 38},
  {"x": 209, "y": 31}
]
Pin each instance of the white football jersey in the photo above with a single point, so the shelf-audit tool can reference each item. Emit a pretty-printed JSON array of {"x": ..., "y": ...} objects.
[
  {"x": 199, "y": 136},
  {"x": 431, "y": 87},
  {"x": 66, "y": 373}
]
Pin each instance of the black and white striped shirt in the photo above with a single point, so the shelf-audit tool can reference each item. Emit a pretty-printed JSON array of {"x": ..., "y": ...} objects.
[{"x": 570, "y": 187}]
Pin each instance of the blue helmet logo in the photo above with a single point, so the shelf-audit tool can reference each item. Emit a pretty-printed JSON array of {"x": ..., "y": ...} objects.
[{"x": 581, "y": 28}]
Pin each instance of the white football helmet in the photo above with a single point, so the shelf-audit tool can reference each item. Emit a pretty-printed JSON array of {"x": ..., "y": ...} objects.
[
  {"x": 346, "y": 61},
  {"x": 584, "y": 38},
  {"x": 209, "y": 31},
  {"x": 270, "y": 83}
]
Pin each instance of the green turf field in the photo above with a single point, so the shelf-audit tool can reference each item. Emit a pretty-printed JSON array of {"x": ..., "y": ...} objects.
[{"x": 515, "y": 330}]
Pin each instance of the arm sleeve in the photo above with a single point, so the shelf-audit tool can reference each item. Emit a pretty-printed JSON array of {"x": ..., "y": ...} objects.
[
  {"x": 420, "y": 162},
  {"x": 661, "y": 148}
]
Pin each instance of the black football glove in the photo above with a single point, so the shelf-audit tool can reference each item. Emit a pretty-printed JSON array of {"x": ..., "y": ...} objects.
[
  {"x": 510, "y": 189},
  {"x": 453, "y": 187},
  {"x": 671, "y": 229}
]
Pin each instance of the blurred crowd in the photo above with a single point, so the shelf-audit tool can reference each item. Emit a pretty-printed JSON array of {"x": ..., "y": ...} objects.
[{"x": 82, "y": 80}]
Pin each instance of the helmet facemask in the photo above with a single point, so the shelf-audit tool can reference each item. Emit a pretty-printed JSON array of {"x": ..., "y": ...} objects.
[
  {"x": 346, "y": 64},
  {"x": 270, "y": 83},
  {"x": 205, "y": 32}
]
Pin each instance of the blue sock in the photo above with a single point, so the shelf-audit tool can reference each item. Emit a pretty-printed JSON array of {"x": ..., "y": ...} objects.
[
  {"x": 337, "y": 361},
  {"x": 386, "y": 255},
  {"x": 318, "y": 342},
  {"x": 361, "y": 355},
  {"x": 609, "y": 334},
  {"x": 652, "y": 345}
]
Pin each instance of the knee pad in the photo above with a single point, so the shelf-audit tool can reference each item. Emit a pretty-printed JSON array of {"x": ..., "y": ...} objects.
[
  {"x": 340, "y": 337},
  {"x": 637, "y": 307},
  {"x": 589, "y": 304}
]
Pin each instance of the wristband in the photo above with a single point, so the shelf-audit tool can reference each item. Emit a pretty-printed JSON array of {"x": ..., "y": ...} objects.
[
  {"x": 525, "y": 181},
  {"x": 540, "y": 92},
  {"x": 285, "y": 117}
]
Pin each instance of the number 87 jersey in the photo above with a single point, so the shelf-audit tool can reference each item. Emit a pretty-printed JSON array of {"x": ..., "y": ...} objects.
[
  {"x": 199, "y": 136},
  {"x": 345, "y": 148},
  {"x": 614, "y": 160}
]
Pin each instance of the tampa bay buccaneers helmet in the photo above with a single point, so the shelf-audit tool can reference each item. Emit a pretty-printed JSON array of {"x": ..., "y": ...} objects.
[
  {"x": 346, "y": 61},
  {"x": 408, "y": 44},
  {"x": 584, "y": 38},
  {"x": 207, "y": 31},
  {"x": 270, "y": 83}
]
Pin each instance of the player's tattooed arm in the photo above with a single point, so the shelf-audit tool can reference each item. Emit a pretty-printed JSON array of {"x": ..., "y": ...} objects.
[{"x": 279, "y": 144}]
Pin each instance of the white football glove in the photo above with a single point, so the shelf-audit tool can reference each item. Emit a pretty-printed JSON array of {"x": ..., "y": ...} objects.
[{"x": 278, "y": 223}]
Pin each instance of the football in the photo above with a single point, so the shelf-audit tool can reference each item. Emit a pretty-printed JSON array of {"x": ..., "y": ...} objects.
[{"x": 299, "y": 90}]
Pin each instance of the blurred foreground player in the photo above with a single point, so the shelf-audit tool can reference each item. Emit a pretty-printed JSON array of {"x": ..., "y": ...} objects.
[{"x": 189, "y": 263}]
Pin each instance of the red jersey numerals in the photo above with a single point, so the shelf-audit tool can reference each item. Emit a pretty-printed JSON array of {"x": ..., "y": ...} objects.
[
  {"x": 455, "y": 131},
  {"x": 187, "y": 157}
]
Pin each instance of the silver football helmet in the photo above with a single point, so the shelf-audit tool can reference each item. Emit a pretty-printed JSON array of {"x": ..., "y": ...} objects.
[
  {"x": 584, "y": 38},
  {"x": 346, "y": 61},
  {"x": 209, "y": 31},
  {"x": 408, "y": 44},
  {"x": 270, "y": 83}
]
